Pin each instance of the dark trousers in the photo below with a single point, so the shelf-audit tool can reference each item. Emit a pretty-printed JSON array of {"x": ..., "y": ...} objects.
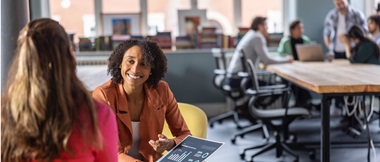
[
  {"x": 340, "y": 55},
  {"x": 339, "y": 102},
  {"x": 302, "y": 96}
]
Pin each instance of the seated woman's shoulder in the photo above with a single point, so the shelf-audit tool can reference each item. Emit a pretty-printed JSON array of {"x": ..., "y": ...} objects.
[{"x": 162, "y": 85}]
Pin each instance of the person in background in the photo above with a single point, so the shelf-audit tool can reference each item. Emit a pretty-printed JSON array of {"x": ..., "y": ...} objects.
[
  {"x": 338, "y": 21},
  {"x": 46, "y": 112},
  {"x": 365, "y": 50},
  {"x": 287, "y": 46},
  {"x": 141, "y": 101},
  {"x": 374, "y": 28},
  {"x": 254, "y": 46}
]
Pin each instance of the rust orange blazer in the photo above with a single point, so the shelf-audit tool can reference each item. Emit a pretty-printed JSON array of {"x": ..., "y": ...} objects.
[{"x": 159, "y": 105}]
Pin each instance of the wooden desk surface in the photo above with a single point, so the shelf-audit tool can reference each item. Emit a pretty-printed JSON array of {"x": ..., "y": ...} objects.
[{"x": 338, "y": 76}]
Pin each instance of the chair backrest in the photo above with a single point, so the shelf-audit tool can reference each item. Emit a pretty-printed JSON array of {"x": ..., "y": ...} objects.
[
  {"x": 195, "y": 119},
  {"x": 243, "y": 60},
  {"x": 221, "y": 68},
  {"x": 251, "y": 69},
  {"x": 220, "y": 59}
]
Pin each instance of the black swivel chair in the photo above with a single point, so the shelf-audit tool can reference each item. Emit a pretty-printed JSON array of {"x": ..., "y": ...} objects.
[
  {"x": 268, "y": 83},
  {"x": 220, "y": 82},
  {"x": 268, "y": 116}
]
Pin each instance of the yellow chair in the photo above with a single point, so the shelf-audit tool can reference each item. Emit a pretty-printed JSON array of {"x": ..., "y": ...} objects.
[{"x": 195, "y": 119}]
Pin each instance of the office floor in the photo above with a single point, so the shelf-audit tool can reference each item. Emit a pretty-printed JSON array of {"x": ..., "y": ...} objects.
[{"x": 307, "y": 130}]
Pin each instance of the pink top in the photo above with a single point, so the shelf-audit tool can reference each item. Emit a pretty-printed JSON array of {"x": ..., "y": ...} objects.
[{"x": 107, "y": 127}]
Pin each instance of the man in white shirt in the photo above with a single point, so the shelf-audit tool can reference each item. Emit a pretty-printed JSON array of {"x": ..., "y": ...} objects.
[
  {"x": 338, "y": 21},
  {"x": 254, "y": 47}
]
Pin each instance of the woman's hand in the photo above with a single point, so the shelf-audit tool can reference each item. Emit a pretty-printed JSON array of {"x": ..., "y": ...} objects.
[{"x": 162, "y": 144}]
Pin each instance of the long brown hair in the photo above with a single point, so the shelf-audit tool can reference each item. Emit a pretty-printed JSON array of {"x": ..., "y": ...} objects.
[
  {"x": 357, "y": 33},
  {"x": 44, "y": 99}
]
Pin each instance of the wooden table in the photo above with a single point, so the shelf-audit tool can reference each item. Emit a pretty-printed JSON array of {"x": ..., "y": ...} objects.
[{"x": 337, "y": 78}]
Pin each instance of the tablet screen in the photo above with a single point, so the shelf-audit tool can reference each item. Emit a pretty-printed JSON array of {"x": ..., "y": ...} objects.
[{"x": 191, "y": 149}]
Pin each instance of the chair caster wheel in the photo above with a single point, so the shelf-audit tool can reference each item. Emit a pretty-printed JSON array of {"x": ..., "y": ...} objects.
[
  {"x": 242, "y": 156},
  {"x": 242, "y": 136},
  {"x": 239, "y": 127},
  {"x": 233, "y": 141},
  {"x": 220, "y": 121},
  {"x": 312, "y": 155},
  {"x": 211, "y": 125}
]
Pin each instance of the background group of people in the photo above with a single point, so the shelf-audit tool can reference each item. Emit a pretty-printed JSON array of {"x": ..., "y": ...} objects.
[{"x": 346, "y": 36}]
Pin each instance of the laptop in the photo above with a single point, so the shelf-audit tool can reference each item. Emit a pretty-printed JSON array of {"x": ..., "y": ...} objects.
[
  {"x": 309, "y": 52},
  {"x": 191, "y": 149}
]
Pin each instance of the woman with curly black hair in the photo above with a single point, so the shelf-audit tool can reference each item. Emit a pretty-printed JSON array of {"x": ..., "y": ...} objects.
[{"x": 141, "y": 101}]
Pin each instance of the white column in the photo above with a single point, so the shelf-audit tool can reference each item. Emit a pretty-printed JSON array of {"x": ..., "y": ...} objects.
[
  {"x": 193, "y": 4},
  {"x": 144, "y": 16},
  {"x": 98, "y": 4},
  {"x": 237, "y": 10},
  {"x": 288, "y": 14},
  {"x": 39, "y": 9}
]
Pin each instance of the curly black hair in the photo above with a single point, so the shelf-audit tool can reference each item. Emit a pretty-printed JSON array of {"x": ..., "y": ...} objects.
[{"x": 153, "y": 56}]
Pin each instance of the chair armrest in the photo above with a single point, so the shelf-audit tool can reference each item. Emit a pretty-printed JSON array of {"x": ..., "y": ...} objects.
[
  {"x": 219, "y": 72},
  {"x": 276, "y": 86},
  {"x": 265, "y": 92},
  {"x": 243, "y": 74},
  {"x": 264, "y": 72}
]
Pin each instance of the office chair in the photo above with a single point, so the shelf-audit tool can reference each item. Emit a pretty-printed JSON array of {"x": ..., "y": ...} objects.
[
  {"x": 195, "y": 118},
  {"x": 268, "y": 82},
  {"x": 268, "y": 116},
  {"x": 219, "y": 82}
]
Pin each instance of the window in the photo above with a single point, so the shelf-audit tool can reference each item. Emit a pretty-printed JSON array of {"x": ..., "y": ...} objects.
[
  {"x": 269, "y": 8},
  {"x": 74, "y": 16},
  {"x": 162, "y": 15},
  {"x": 219, "y": 14},
  {"x": 121, "y": 6}
]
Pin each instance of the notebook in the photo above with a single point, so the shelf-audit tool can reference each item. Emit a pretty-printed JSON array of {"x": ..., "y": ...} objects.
[
  {"x": 191, "y": 149},
  {"x": 309, "y": 52}
]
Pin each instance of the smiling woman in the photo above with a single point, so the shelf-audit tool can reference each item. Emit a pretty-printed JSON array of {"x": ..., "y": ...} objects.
[{"x": 141, "y": 101}]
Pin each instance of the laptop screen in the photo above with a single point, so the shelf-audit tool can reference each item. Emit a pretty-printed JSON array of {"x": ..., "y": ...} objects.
[
  {"x": 309, "y": 52},
  {"x": 191, "y": 149}
]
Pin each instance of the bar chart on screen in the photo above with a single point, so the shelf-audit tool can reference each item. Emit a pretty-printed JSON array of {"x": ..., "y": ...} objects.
[
  {"x": 191, "y": 149},
  {"x": 179, "y": 155}
]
